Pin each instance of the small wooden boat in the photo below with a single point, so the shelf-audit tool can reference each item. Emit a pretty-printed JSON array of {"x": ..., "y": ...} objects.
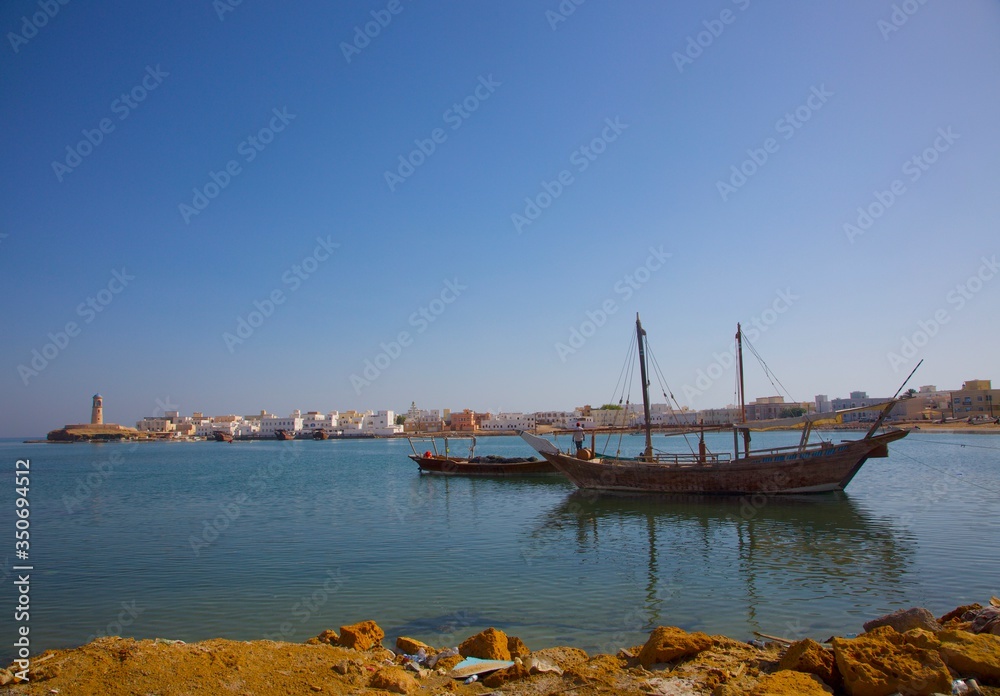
[
  {"x": 443, "y": 464},
  {"x": 806, "y": 468},
  {"x": 321, "y": 435},
  {"x": 284, "y": 435},
  {"x": 222, "y": 436}
]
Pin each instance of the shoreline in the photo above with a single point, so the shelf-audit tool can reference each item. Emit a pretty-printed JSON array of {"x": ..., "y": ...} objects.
[
  {"x": 947, "y": 428},
  {"x": 909, "y": 651}
]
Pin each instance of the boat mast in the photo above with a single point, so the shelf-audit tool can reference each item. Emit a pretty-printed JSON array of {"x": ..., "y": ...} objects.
[
  {"x": 640, "y": 334},
  {"x": 743, "y": 400},
  {"x": 739, "y": 356}
]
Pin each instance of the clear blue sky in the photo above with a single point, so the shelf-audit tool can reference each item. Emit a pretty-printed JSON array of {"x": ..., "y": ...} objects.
[{"x": 535, "y": 90}]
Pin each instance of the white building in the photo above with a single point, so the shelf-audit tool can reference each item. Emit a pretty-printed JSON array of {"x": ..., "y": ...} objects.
[
  {"x": 673, "y": 418},
  {"x": 269, "y": 425},
  {"x": 382, "y": 424},
  {"x": 551, "y": 417},
  {"x": 509, "y": 421}
]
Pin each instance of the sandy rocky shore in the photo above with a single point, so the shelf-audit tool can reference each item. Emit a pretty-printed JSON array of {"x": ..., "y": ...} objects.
[{"x": 907, "y": 652}]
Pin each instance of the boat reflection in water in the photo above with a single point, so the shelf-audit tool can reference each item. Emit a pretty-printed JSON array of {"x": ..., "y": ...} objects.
[{"x": 795, "y": 566}]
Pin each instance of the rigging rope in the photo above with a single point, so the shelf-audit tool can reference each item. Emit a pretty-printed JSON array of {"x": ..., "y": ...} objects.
[
  {"x": 772, "y": 378},
  {"x": 664, "y": 389},
  {"x": 945, "y": 473},
  {"x": 953, "y": 444}
]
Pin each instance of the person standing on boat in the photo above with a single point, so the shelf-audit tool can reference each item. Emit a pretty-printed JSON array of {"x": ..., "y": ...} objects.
[{"x": 578, "y": 437}]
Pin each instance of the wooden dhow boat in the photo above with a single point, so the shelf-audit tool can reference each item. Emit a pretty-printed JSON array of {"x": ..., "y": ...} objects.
[
  {"x": 442, "y": 463},
  {"x": 804, "y": 468}
]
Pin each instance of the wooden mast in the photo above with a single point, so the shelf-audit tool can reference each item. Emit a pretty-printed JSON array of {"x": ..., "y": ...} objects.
[
  {"x": 743, "y": 400},
  {"x": 640, "y": 334}
]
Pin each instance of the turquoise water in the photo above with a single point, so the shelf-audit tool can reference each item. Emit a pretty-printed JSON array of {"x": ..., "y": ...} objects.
[{"x": 285, "y": 539}]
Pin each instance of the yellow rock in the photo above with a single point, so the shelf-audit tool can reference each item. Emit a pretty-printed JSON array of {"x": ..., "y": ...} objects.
[
  {"x": 516, "y": 647},
  {"x": 882, "y": 662},
  {"x": 361, "y": 636},
  {"x": 790, "y": 683},
  {"x": 411, "y": 646},
  {"x": 503, "y": 676},
  {"x": 921, "y": 638},
  {"x": 562, "y": 656},
  {"x": 329, "y": 637},
  {"x": 395, "y": 680},
  {"x": 972, "y": 655},
  {"x": 668, "y": 643},
  {"x": 491, "y": 644},
  {"x": 446, "y": 663},
  {"x": 810, "y": 657}
]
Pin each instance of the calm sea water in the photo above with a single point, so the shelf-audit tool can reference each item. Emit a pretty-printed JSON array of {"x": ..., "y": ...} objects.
[{"x": 284, "y": 539}]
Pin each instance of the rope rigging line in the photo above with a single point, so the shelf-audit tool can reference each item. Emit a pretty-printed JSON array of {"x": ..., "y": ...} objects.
[
  {"x": 945, "y": 473},
  {"x": 953, "y": 444},
  {"x": 664, "y": 389},
  {"x": 772, "y": 378}
]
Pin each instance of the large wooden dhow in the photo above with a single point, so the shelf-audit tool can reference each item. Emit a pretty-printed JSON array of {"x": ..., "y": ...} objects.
[{"x": 804, "y": 468}]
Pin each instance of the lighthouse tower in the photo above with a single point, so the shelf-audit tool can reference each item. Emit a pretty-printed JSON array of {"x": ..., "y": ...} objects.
[{"x": 97, "y": 411}]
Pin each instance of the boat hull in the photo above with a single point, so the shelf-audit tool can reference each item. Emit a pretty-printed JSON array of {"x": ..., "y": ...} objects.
[
  {"x": 816, "y": 469},
  {"x": 443, "y": 466}
]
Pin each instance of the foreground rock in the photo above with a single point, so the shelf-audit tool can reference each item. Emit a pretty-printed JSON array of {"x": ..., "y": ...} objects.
[
  {"x": 905, "y": 620},
  {"x": 791, "y": 684},
  {"x": 884, "y": 662},
  {"x": 810, "y": 657},
  {"x": 361, "y": 636},
  {"x": 672, "y": 662},
  {"x": 972, "y": 655},
  {"x": 491, "y": 644},
  {"x": 668, "y": 643}
]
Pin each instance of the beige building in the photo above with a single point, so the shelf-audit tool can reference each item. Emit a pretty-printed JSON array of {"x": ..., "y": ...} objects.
[{"x": 976, "y": 398}]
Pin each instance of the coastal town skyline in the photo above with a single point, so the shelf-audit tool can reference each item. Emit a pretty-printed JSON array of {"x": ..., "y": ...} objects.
[
  {"x": 360, "y": 205},
  {"x": 976, "y": 399}
]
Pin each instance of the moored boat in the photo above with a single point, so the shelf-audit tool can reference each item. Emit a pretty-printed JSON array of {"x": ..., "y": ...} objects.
[
  {"x": 321, "y": 435},
  {"x": 222, "y": 436},
  {"x": 444, "y": 464},
  {"x": 284, "y": 435},
  {"x": 804, "y": 468}
]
